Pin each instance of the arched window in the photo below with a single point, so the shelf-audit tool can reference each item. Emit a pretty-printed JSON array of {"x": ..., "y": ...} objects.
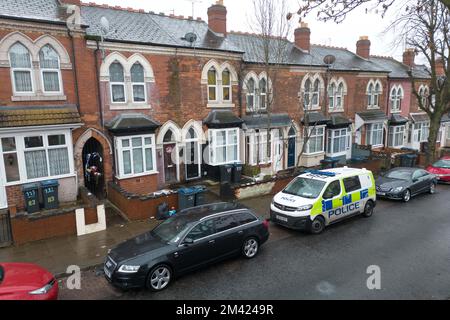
[
  {"x": 21, "y": 68},
  {"x": 423, "y": 93},
  {"x": 226, "y": 85},
  {"x": 138, "y": 83},
  {"x": 251, "y": 94},
  {"x": 315, "y": 96},
  {"x": 263, "y": 94},
  {"x": 117, "y": 83},
  {"x": 376, "y": 95},
  {"x": 169, "y": 137},
  {"x": 191, "y": 134},
  {"x": 212, "y": 84},
  {"x": 331, "y": 95},
  {"x": 340, "y": 96},
  {"x": 307, "y": 94},
  {"x": 370, "y": 92},
  {"x": 50, "y": 70}
]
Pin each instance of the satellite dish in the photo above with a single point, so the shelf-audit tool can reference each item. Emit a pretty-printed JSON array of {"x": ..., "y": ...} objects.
[
  {"x": 329, "y": 59},
  {"x": 104, "y": 25},
  {"x": 190, "y": 37}
]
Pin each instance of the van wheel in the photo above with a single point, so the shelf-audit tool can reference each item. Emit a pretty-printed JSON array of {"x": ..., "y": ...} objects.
[
  {"x": 317, "y": 225},
  {"x": 368, "y": 209}
]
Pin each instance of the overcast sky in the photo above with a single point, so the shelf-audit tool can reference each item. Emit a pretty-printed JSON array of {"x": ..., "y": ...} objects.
[{"x": 345, "y": 34}]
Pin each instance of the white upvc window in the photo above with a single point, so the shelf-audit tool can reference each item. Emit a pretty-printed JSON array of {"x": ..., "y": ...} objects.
[
  {"x": 374, "y": 135},
  {"x": 226, "y": 86},
  {"x": 373, "y": 94},
  {"x": 21, "y": 69},
  {"x": 424, "y": 94},
  {"x": 316, "y": 140},
  {"x": 138, "y": 86},
  {"x": 50, "y": 70},
  {"x": 136, "y": 155},
  {"x": 421, "y": 131},
  {"x": 117, "y": 83},
  {"x": 263, "y": 94},
  {"x": 212, "y": 84},
  {"x": 311, "y": 94},
  {"x": 224, "y": 146},
  {"x": 30, "y": 157},
  {"x": 251, "y": 94},
  {"x": 338, "y": 141},
  {"x": 396, "y": 136},
  {"x": 396, "y": 99}
]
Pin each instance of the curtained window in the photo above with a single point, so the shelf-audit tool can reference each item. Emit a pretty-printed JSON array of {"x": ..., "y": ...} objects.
[
  {"x": 117, "y": 83},
  {"x": 21, "y": 68},
  {"x": 212, "y": 84},
  {"x": 138, "y": 83},
  {"x": 136, "y": 155},
  {"x": 50, "y": 71}
]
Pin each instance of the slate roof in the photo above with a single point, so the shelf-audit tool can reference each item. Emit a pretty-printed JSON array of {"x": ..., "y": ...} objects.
[
  {"x": 315, "y": 118},
  {"x": 372, "y": 115},
  {"x": 400, "y": 70},
  {"x": 262, "y": 121},
  {"x": 222, "y": 119},
  {"x": 45, "y": 10},
  {"x": 397, "y": 119},
  {"x": 419, "y": 117},
  {"x": 151, "y": 28},
  {"x": 339, "y": 121},
  {"x": 131, "y": 123},
  {"x": 25, "y": 116}
]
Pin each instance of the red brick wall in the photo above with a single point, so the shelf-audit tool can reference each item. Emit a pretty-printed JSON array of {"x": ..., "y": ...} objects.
[
  {"x": 140, "y": 185},
  {"x": 136, "y": 208},
  {"x": 15, "y": 197}
]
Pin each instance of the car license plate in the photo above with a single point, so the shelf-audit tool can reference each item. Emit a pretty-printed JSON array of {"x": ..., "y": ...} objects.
[
  {"x": 381, "y": 193},
  {"x": 107, "y": 273},
  {"x": 282, "y": 218}
]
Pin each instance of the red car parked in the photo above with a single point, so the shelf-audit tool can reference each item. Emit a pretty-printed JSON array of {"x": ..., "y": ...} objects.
[
  {"x": 24, "y": 281},
  {"x": 441, "y": 169}
]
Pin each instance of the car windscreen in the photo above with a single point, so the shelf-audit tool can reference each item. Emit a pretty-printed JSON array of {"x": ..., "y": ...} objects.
[
  {"x": 399, "y": 174},
  {"x": 172, "y": 229},
  {"x": 444, "y": 163},
  {"x": 305, "y": 188},
  {"x": 2, "y": 274}
]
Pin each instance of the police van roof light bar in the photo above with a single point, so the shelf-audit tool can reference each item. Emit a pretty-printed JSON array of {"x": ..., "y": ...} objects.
[{"x": 322, "y": 173}]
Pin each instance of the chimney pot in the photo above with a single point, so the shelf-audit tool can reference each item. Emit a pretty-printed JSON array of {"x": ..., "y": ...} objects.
[
  {"x": 303, "y": 37},
  {"x": 363, "y": 47},
  {"x": 217, "y": 17}
]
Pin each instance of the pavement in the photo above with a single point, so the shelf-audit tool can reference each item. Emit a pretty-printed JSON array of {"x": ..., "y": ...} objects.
[{"x": 409, "y": 242}]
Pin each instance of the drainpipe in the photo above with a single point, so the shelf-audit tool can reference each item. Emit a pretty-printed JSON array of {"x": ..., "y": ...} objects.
[
  {"x": 388, "y": 94},
  {"x": 97, "y": 76},
  {"x": 77, "y": 95}
]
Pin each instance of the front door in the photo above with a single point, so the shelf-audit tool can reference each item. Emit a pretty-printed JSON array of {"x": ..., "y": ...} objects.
[
  {"x": 278, "y": 151},
  {"x": 291, "y": 152},
  {"x": 192, "y": 160},
  {"x": 170, "y": 169}
]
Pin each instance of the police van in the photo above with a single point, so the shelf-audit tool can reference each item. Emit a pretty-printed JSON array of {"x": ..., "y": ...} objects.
[{"x": 318, "y": 198}]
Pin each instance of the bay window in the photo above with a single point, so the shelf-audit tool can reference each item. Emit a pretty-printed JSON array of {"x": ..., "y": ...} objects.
[
  {"x": 138, "y": 83},
  {"x": 374, "y": 135},
  {"x": 316, "y": 140},
  {"x": 224, "y": 146},
  {"x": 117, "y": 83},
  {"x": 259, "y": 149},
  {"x": 50, "y": 72},
  {"x": 396, "y": 135},
  {"x": 27, "y": 157},
  {"x": 136, "y": 155},
  {"x": 21, "y": 68},
  {"x": 421, "y": 131},
  {"x": 338, "y": 141}
]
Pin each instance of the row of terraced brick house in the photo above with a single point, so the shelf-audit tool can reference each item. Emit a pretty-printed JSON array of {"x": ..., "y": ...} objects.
[{"x": 141, "y": 107}]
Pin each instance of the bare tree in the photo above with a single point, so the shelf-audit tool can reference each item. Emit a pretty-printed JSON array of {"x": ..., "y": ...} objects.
[
  {"x": 271, "y": 28},
  {"x": 424, "y": 25}
]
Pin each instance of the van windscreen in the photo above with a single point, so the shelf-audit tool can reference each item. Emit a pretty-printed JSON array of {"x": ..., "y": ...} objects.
[{"x": 305, "y": 188}]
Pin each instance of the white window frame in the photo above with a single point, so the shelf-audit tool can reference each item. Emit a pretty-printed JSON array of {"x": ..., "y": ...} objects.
[
  {"x": 143, "y": 84},
  {"x": 371, "y": 134},
  {"x": 262, "y": 96},
  {"x": 229, "y": 86},
  {"x": 396, "y": 97},
  {"x": 215, "y": 86},
  {"x": 58, "y": 71},
  {"x": 251, "y": 94},
  {"x": 212, "y": 137},
  {"x": 119, "y": 155},
  {"x": 374, "y": 94},
  {"x": 393, "y": 133},
  {"x": 311, "y": 135},
  {"x": 334, "y": 135},
  {"x": 123, "y": 84},
  {"x": 30, "y": 70},
  {"x": 424, "y": 131},
  {"x": 20, "y": 150}
]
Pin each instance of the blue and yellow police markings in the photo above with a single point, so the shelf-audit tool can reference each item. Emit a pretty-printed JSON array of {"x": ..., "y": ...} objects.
[{"x": 349, "y": 203}]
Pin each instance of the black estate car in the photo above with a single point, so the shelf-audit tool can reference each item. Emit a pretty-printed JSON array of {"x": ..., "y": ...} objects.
[
  {"x": 403, "y": 183},
  {"x": 193, "y": 238}
]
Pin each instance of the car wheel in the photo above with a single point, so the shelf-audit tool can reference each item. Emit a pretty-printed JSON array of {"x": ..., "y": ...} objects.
[
  {"x": 250, "y": 248},
  {"x": 433, "y": 188},
  {"x": 406, "y": 195},
  {"x": 368, "y": 209},
  {"x": 159, "y": 278},
  {"x": 317, "y": 225}
]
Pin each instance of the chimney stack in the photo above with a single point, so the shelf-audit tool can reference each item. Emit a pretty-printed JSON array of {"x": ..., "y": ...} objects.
[
  {"x": 303, "y": 37},
  {"x": 439, "y": 67},
  {"x": 217, "y": 17},
  {"x": 363, "y": 47},
  {"x": 408, "y": 57}
]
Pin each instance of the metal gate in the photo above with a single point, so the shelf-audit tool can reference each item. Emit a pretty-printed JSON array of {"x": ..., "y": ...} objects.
[{"x": 5, "y": 229}]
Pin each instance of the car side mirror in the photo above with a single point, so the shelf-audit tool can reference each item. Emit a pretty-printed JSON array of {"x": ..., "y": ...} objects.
[
  {"x": 415, "y": 179},
  {"x": 188, "y": 241}
]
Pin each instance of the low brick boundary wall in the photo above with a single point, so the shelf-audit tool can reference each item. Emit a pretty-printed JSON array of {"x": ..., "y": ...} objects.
[
  {"x": 261, "y": 188},
  {"x": 138, "y": 207}
]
